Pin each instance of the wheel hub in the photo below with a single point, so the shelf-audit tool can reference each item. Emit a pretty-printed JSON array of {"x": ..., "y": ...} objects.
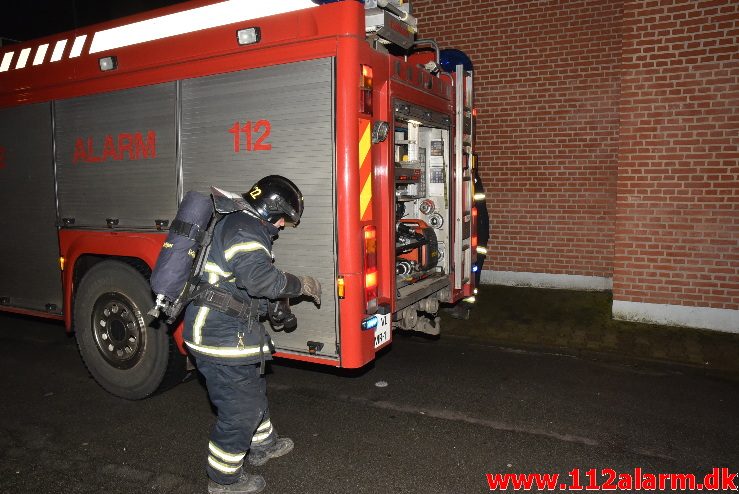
[{"x": 117, "y": 329}]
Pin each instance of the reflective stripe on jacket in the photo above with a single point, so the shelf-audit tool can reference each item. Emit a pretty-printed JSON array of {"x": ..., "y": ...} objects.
[{"x": 242, "y": 248}]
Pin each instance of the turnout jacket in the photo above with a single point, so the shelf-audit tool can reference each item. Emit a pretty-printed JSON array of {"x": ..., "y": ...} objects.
[
  {"x": 483, "y": 220},
  {"x": 242, "y": 249}
]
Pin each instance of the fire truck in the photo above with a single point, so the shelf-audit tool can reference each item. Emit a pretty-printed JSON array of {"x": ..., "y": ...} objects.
[{"x": 105, "y": 128}]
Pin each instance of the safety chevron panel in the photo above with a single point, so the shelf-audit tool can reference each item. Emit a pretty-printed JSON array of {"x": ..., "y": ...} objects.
[{"x": 365, "y": 170}]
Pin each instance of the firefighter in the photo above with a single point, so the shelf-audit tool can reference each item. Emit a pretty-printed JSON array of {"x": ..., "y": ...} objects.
[
  {"x": 483, "y": 221},
  {"x": 224, "y": 334}
]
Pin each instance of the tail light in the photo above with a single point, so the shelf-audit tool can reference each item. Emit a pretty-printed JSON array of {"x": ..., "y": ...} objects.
[
  {"x": 370, "y": 265},
  {"x": 365, "y": 90}
]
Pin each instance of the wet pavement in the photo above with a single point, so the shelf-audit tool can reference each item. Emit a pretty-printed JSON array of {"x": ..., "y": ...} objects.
[{"x": 452, "y": 410}]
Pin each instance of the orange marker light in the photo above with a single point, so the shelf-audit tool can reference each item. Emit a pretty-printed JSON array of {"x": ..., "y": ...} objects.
[{"x": 340, "y": 287}]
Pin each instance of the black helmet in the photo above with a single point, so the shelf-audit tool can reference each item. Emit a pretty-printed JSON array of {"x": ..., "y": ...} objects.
[{"x": 276, "y": 197}]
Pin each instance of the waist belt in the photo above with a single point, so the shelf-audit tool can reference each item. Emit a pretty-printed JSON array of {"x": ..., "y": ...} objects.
[{"x": 227, "y": 303}]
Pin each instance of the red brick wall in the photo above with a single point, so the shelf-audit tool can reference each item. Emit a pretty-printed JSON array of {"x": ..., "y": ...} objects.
[
  {"x": 609, "y": 139},
  {"x": 677, "y": 239},
  {"x": 547, "y": 96}
]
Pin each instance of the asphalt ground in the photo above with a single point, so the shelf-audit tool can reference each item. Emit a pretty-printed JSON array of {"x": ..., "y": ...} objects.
[{"x": 428, "y": 416}]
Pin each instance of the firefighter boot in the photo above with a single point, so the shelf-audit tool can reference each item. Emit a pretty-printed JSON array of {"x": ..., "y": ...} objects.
[
  {"x": 247, "y": 484},
  {"x": 258, "y": 457}
]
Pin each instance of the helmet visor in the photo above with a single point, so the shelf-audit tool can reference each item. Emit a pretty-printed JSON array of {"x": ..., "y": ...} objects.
[{"x": 290, "y": 215}]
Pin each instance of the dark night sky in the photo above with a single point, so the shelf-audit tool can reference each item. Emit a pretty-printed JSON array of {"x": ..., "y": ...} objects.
[{"x": 31, "y": 19}]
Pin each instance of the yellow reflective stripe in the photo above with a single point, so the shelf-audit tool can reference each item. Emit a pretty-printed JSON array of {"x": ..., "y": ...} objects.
[
  {"x": 264, "y": 425},
  {"x": 482, "y": 250},
  {"x": 227, "y": 352},
  {"x": 479, "y": 196},
  {"x": 229, "y": 457},
  {"x": 215, "y": 272},
  {"x": 245, "y": 247},
  {"x": 197, "y": 327},
  {"x": 211, "y": 267},
  {"x": 222, "y": 467},
  {"x": 259, "y": 437}
]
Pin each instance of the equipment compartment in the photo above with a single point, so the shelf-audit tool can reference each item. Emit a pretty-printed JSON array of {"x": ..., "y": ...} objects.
[{"x": 422, "y": 205}]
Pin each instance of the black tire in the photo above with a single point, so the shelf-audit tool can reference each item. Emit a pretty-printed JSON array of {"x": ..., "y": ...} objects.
[{"x": 125, "y": 356}]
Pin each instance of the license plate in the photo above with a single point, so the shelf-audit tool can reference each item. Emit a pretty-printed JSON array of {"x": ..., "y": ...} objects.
[{"x": 382, "y": 331}]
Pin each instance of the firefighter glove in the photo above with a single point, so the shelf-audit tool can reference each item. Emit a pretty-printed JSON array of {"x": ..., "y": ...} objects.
[
  {"x": 311, "y": 287},
  {"x": 281, "y": 317}
]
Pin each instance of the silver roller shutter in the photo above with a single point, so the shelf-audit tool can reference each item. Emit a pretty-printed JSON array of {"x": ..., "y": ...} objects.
[
  {"x": 30, "y": 275},
  {"x": 297, "y": 100},
  {"x": 135, "y": 186}
]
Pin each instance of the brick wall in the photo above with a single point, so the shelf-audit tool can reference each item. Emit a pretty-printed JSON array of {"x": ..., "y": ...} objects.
[
  {"x": 609, "y": 141},
  {"x": 677, "y": 239},
  {"x": 547, "y": 96}
]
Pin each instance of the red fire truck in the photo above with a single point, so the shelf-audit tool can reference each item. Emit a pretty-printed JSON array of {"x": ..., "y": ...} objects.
[{"x": 103, "y": 129}]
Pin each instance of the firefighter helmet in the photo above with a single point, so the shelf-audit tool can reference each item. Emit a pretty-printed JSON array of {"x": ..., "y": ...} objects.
[{"x": 274, "y": 197}]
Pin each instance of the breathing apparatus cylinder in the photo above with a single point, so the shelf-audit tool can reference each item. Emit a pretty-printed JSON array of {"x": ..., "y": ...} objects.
[{"x": 187, "y": 234}]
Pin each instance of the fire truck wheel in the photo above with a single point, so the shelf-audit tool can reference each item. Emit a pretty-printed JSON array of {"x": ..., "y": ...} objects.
[{"x": 125, "y": 356}]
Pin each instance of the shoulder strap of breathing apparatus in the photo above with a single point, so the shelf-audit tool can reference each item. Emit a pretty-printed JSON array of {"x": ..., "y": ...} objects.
[
  {"x": 175, "y": 278},
  {"x": 210, "y": 294},
  {"x": 192, "y": 288}
]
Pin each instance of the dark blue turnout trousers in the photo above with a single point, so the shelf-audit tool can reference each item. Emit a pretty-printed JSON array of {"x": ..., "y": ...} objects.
[{"x": 239, "y": 393}]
